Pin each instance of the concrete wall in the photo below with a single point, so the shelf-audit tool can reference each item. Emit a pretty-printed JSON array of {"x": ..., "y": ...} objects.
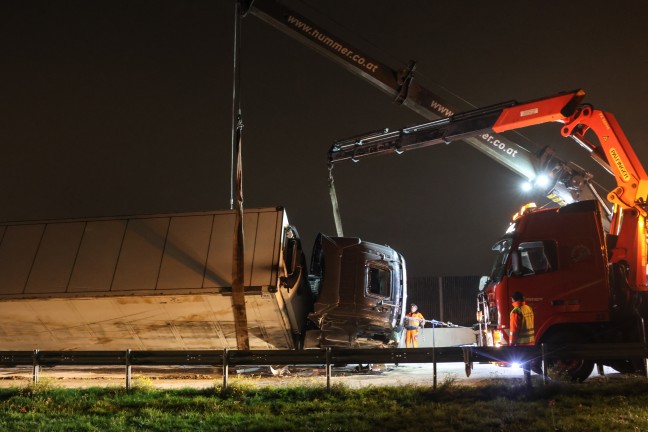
[{"x": 443, "y": 337}]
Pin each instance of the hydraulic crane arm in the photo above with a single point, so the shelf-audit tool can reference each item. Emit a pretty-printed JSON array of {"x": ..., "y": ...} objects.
[
  {"x": 628, "y": 225},
  {"x": 400, "y": 85},
  {"x": 613, "y": 151}
]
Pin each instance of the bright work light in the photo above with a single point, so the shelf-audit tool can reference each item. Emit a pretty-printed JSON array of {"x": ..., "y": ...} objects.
[{"x": 542, "y": 181}]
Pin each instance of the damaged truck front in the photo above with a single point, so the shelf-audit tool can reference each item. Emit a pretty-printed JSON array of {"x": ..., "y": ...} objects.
[{"x": 361, "y": 290}]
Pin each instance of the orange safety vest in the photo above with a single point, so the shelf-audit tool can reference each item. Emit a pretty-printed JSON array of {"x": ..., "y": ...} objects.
[
  {"x": 522, "y": 331},
  {"x": 413, "y": 320}
]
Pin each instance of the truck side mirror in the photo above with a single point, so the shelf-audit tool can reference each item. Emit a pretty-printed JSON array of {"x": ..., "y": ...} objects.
[
  {"x": 292, "y": 253},
  {"x": 483, "y": 281}
]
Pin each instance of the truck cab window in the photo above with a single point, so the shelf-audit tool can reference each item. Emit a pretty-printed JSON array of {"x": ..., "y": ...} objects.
[
  {"x": 503, "y": 248},
  {"x": 537, "y": 257},
  {"x": 379, "y": 281}
]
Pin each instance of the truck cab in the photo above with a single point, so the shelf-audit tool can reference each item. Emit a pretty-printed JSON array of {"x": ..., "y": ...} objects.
[
  {"x": 360, "y": 289},
  {"x": 559, "y": 259}
]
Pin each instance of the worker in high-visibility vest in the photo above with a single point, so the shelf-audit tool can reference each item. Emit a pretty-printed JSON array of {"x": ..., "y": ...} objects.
[
  {"x": 413, "y": 322},
  {"x": 522, "y": 329}
]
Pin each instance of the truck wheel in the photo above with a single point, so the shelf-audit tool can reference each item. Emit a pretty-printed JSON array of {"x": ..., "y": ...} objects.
[{"x": 574, "y": 369}]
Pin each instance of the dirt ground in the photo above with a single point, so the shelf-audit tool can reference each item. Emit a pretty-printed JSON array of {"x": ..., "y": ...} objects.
[{"x": 191, "y": 377}]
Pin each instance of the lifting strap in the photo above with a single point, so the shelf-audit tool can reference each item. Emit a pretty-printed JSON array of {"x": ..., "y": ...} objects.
[
  {"x": 334, "y": 203},
  {"x": 236, "y": 200}
]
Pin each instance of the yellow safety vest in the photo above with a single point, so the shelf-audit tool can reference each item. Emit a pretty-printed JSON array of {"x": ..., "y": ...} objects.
[
  {"x": 413, "y": 320},
  {"x": 525, "y": 334}
]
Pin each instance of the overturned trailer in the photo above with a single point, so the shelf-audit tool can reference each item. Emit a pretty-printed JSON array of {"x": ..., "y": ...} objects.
[{"x": 156, "y": 282}]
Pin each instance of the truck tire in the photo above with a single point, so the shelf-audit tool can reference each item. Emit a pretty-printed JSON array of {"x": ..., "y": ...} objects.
[{"x": 574, "y": 369}]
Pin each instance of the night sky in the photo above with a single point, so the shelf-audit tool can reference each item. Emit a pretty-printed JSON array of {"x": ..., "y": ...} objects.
[{"x": 124, "y": 107}]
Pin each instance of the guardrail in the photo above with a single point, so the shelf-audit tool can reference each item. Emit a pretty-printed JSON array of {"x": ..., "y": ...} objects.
[{"x": 319, "y": 357}]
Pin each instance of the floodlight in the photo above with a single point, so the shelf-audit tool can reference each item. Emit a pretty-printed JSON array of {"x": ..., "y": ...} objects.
[{"x": 542, "y": 181}]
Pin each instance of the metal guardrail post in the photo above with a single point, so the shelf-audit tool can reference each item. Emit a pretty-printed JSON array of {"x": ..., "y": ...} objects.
[
  {"x": 545, "y": 372},
  {"x": 434, "y": 365},
  {"x": 643, "y": 335},
  {"x": 128, "y": 369},
  {"x": 35, "y": 367},
  {"x": 328, "y": 368},
  {"x": 599, "y": 368},
  {"x": 225, "y": 368}
]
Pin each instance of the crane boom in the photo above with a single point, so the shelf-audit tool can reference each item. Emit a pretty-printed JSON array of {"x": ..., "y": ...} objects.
[
  {"x": 573, "y": 181},
  {"x": 613, "y": 152}
]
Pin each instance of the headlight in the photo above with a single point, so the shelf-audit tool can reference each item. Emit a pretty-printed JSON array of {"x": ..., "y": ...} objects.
[{"x": 498, "y": 338}]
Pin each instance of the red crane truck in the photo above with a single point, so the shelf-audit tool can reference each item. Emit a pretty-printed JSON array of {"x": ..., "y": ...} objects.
[
  {"x": 572, "y": 300},
  {"x": 583, "y": 274}
]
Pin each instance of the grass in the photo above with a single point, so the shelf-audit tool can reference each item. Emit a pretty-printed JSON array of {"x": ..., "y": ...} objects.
[{"x": 497, "y": 406}]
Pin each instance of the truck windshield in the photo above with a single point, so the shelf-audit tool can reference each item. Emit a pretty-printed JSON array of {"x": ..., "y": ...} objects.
[{"x": 503, "y": 248}]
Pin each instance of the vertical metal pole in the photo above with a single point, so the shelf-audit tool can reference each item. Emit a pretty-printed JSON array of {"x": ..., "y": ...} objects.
[
  {"x": 599, "y": 369},
  {"x": 526, "y": 360},
  {"x": 328, "y": 368},
  {"x": 434, "y": 363},
  {"x": 467, "y": 356},
  {"x": 238, "y": 244},
  {"x": 225, "y": 368},
  {"x": 236, "y": 68},
  {"x": 129, "y": 374},
  {"x": 643, "y": 335},
  {"x": 441, "y": 298},
  {"x": 545, "y": 374},
  {"x": 35, "y": 367}
]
